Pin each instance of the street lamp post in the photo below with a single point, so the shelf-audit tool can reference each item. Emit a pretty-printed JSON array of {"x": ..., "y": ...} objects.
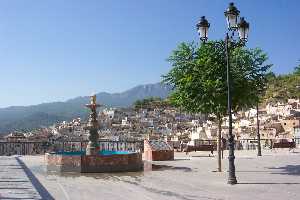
[
  {"x": 234, "y": 24},
  {"x": 260, "y": 94},
  {"x": 257, "y": 132}
]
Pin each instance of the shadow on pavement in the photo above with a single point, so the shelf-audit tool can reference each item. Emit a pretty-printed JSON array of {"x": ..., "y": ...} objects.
[
  {"x": 266, "y": 183},
  {"x": 35, "y": 182},
  {"x": 253, "y": 171},
  {"x": 155, "y": 167},
  {"x": 288, "y": 170}
]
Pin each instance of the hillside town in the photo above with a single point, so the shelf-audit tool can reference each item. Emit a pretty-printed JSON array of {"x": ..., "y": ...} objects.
[
  {"x": 156, "y": 100},
  {"x": 278, "y": 121}
]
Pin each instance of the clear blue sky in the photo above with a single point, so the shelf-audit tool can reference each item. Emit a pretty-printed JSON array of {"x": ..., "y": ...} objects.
[{"x": 52, "y": 50}]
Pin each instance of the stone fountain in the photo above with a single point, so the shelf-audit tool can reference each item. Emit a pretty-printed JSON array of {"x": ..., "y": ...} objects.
[{"x": 94, "y": 159}]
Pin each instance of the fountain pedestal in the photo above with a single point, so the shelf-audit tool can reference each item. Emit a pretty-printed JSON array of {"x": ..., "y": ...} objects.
[{"x": 93, "y": 125}]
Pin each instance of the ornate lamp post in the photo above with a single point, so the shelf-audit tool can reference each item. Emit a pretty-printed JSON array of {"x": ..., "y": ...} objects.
[
  {"x": 93, "y": 146},
  {"x": 234, "y": 24}
]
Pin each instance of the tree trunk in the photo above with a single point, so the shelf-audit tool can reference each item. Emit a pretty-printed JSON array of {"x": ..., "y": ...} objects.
[{"x": 219, "y": 144}]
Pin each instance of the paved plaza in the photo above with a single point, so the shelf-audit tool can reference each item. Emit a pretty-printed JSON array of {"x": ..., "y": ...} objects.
[
  {"x": 275, "y": 175},
  {"x": 18, "y": 182}
]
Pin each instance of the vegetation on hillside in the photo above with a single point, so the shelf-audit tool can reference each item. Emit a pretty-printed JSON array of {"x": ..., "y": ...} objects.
[
  {"x": 151, "y": 103},
  {"x": 283, "y": 87}
]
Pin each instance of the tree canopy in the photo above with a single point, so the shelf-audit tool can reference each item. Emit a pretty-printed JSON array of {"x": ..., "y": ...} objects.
[{"x": 198, "y": 76}]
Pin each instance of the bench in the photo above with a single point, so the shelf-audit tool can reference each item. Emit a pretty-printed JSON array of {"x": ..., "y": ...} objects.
[
  {"x": 290, "y": 145},
  {"x": 202, "y": 147},
  {"x": 284, "y": 144}
]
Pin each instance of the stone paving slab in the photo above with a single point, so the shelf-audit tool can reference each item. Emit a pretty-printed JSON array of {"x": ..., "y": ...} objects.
[
  {"x": 275, "y": 175},
  {"x": 17, "y": 181}
]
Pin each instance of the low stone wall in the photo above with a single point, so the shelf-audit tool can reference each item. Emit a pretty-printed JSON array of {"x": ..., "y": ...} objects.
[
  {"x": 97, "y": 163},
  {"x": 63, "y": 163},
  {"x": 154, "y": 153},
  {"x": 159, "y": 155},
  {"x": 112, "y": 163}
]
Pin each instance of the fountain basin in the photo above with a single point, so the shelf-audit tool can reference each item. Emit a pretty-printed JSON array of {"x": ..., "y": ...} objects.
[{"x": 104, "y": 161}]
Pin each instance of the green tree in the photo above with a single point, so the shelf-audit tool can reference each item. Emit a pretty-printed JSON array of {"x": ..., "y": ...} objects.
[
  {"x": 198, "y": 75},
  {"x": 297, "y": 70}
]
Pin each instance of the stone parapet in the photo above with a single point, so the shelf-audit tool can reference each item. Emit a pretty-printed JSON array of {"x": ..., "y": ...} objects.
[{"x": 94, "y": 163}]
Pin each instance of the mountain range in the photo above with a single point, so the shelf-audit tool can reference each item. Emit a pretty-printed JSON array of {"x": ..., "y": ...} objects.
[{"x": 41, "y": 115}]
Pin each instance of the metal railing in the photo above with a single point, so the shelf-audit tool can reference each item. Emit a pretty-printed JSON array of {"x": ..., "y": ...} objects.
[
  {"x": 251, "y": 144},
  {"x": 241, "y": 144},
  {"x": 35, "y": 148}
]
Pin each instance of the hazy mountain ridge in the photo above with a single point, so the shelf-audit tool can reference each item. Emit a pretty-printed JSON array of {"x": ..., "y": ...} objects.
[{"x": 45, "y": 114}]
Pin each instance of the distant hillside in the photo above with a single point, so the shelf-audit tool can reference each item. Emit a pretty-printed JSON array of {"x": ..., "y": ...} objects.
[
  {"x": 283, "y": 87},
  {"x": 28, "y": 117}
]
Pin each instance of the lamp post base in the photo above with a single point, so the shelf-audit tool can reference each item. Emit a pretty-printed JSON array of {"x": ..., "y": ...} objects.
[
  {"x": 259, "y": 154},
  {"x": 232, "y": 180}
]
